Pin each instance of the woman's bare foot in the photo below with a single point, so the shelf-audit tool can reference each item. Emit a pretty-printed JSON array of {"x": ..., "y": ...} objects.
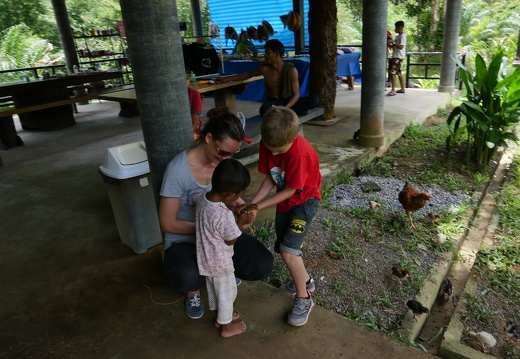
[
  {"x": 236, "y": 315},
  {"x": 232, "y": 329}
]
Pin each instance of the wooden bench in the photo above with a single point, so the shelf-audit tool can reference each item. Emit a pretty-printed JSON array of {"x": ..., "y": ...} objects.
[
  {"x": 253, "y": 126},
  {"x": 73, "y": 99},
  {"x": 8, "y": 135}
]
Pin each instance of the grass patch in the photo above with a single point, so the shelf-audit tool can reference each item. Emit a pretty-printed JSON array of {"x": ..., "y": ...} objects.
[{"x": 422, "y": 158}]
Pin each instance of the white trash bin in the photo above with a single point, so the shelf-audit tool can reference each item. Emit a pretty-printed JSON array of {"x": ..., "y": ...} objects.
[{"x": 126, "y": 173}]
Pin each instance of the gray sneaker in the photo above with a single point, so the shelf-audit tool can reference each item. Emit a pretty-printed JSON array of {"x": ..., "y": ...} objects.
[
  {"x": 291, "y": 288},
  {"x": 301, "y": 309}
]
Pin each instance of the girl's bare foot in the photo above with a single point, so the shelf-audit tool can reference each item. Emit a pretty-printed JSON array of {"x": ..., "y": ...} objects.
[
  {"x": 236, "y": 315},
  {"x": 232, "y": 329}
]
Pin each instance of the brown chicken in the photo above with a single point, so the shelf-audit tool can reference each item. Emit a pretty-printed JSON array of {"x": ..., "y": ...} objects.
[
  {"x": 412, "y": 200},
  {"x": 400, "y": 273},
  {"x": 248, "y": 210}
]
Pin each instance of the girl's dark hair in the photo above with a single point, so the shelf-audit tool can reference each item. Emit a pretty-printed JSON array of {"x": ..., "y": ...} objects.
[
  {"x": 223, "y": 124},
  {"x": 230, "y": 176}
]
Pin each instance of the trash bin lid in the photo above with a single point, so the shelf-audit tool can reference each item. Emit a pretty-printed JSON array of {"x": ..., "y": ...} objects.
[{"x": 125, "y": 161}]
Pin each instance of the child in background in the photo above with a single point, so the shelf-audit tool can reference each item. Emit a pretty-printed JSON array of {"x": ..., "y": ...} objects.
[
  {"x": 398, "y": 48},
  {"x": 291, "y": 164},
  {"x": 195, "y": 106},
  {"x": 216, "y": 232},
  {"x": 244, "y": 46}
]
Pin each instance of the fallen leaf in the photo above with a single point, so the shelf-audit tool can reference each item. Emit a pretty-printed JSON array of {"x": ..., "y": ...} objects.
[{"x": 423, "y": 247}]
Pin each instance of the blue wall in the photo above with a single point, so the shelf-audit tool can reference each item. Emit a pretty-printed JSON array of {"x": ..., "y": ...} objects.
[{"x": 241, "y": 14}]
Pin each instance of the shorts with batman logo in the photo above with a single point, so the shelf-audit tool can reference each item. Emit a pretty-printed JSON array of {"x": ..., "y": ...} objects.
[{"x": 292, "y": 226}]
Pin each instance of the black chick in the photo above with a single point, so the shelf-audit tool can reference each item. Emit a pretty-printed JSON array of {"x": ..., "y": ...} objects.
[
  {"x": 446, "y": 290},
  {"x": 400, "y": 273},
  {"x": 513, "y": 332},
  {"x": 417, "y": 308}
]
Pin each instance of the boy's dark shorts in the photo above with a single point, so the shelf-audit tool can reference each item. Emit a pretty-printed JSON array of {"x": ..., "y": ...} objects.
[{"x": 292, "y": 227}]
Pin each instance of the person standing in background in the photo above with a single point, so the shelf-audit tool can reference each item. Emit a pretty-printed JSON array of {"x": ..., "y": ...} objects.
[
  {"x": 244, "y": 46},
  {"x": 398, "y": 47},
  {"x": 195, "y": 107}
]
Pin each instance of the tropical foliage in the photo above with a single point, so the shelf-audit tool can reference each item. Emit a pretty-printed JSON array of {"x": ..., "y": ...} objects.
[
  {"x": 28, "y": 31},
  {"x": 19, "y": 48},
  {"x": 489, "y": 113}
]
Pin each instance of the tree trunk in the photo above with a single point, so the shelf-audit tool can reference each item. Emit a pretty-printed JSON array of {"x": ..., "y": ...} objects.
[
  {"x": 323, "y": 41},
  {"x": 434, "y": 21}
]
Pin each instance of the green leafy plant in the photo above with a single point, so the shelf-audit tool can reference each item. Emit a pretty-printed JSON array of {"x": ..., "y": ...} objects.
[
  {"x": 264, "y": 231},
  {"x": 476, "y": 310},
  {"x": 490, "y": 111}
]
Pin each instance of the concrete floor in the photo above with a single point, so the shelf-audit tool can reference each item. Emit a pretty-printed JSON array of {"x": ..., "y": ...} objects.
[{"x": 70, "y": 289}]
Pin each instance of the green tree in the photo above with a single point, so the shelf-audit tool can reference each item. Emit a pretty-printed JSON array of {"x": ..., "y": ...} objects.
[
  {"x": 489, "y": 25},
  {"x": 83, "y": 16},
  {"x": 15, "y": 12},
  {"x": 19, "y": 48}
]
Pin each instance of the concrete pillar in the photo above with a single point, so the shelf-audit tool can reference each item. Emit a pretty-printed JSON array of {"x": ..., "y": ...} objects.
[
  {"x": 375, "y": 14},
  {"x": 65, "y": 32},
  {"x": 154, "y": 44},
  {"x": 196, "y": 18},
  {"x": 450, "y": 42}
]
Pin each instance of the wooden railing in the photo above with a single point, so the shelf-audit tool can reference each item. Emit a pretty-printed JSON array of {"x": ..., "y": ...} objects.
[{"x": 34, "y": 72}]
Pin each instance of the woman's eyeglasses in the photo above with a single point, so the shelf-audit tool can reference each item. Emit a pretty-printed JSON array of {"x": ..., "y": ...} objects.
[{"x": 222, "y": 153}]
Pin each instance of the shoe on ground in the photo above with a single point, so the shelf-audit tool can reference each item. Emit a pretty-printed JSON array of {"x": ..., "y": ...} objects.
[
  {"x": 238, "y": 281},
  {"x": 194, "y": 306},
  {"x": 300, "y": 312},
  {"x": 291, "y": 288}
]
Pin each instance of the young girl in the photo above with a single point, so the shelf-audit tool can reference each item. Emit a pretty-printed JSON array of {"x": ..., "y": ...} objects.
[{"x": 216, "y": 232}]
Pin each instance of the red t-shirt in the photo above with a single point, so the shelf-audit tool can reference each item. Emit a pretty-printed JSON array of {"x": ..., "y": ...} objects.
[
  {"x": 195, "y": 101},
  {"x": 196, "y": 109},
  {"x": 298, "y": 168}
]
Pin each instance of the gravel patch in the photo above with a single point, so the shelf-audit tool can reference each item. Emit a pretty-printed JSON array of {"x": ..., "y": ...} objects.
[
  {"x": 355, "y": 280},
  {"x": 352, "y": 196}
]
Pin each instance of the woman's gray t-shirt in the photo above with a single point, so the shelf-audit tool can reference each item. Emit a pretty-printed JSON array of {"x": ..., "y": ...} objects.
[{"x": 179, "y": 183}]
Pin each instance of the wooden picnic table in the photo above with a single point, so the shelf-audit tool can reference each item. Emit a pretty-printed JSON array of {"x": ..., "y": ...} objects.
[
  {"x": 224, "y": 94},
  {"x": 46, "y": 104}
]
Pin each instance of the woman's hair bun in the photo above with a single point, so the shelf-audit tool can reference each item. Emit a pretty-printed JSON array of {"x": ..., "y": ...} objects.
[{"x": 218, "y": 112}]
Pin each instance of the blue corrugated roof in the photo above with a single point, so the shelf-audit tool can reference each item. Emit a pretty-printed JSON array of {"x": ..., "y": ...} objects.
[{"x": 241, "y": 14}]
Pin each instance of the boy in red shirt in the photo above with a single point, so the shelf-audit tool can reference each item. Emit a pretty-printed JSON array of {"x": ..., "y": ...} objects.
[{"x": 292, "y": 165}]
